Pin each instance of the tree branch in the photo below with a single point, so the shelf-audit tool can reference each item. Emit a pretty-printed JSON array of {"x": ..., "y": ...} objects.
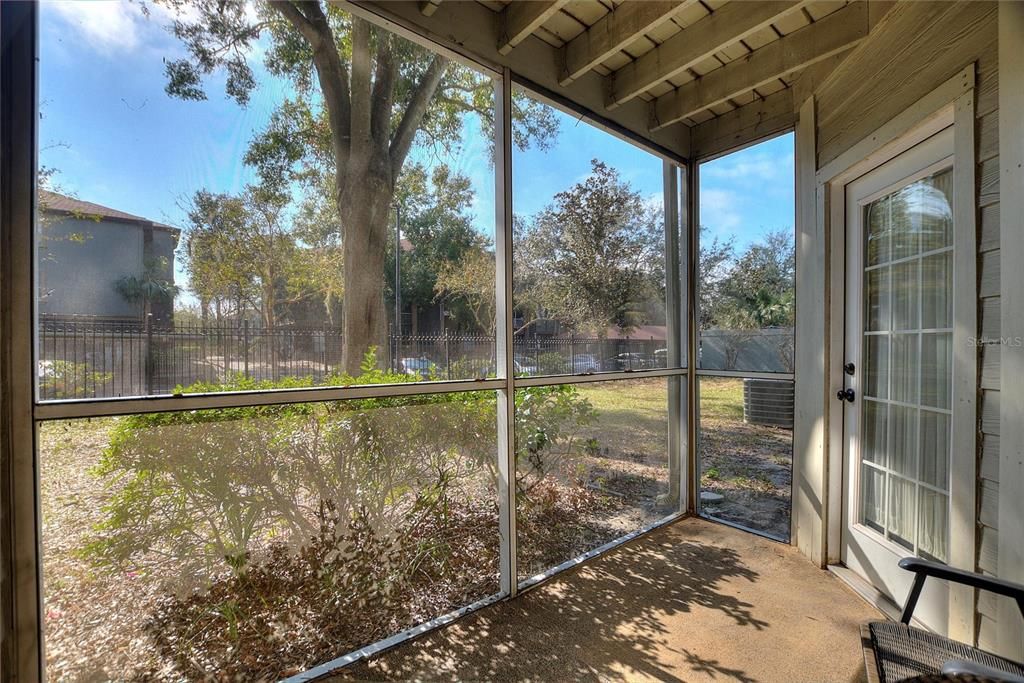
[
  {"x": 360, "y": 127},
  {"x": 298, "y": 21},
  {"x": 311, "y": 23},
  {"x": 413, "y": 114},
  {"x": 383, "y": 93}
]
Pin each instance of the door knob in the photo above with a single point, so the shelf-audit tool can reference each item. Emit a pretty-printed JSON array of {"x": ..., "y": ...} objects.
[
  {"x": 845, "y": 395},
  {"x": 849, "y": 369}
]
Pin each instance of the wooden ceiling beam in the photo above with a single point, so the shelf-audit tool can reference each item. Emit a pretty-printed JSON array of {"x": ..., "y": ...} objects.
[
  {"x": 734, "y": 21},
  {"x": 470, "y": 29},
  {"x": 613, "y": 32},
  {"x": 520, "y": 19},
  {"x": 808, "y": 45},
  {"x": 744, "y": 125}
]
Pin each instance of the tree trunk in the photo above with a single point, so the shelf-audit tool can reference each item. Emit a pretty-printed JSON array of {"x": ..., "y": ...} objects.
[{"x": 364, "y": 322}]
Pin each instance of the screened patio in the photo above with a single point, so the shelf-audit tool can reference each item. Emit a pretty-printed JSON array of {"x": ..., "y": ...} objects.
[{"x": 487, "y": 340}]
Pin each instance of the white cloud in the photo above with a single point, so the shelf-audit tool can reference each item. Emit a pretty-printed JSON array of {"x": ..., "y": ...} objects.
[
  {"x": 720, "y": 211},
  {"x": 759, "y": 167},
  {"x": 110, "y": 27},
  {"x": 114, "y": 28}
]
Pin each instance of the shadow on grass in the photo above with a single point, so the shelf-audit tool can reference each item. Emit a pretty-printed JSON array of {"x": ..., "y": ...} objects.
[{"x": 603, "y": 622}]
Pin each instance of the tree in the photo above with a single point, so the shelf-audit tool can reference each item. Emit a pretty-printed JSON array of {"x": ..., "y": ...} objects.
[
  {"x": 237, "y": 249},
  {"x": 151, "y": 286},
  {"x": 436, "y": 222},
  {"x": 743, "y": 296},
  {"x": 715, "y": 263},
  {"x": 470, "y": 281},
  {"x": 363, "y": 98},
  {"x": 761, "y": 280},
  {"x": 589, "y": 258}
]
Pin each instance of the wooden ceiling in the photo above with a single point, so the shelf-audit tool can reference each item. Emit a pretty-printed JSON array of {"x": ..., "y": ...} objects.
[{"x": 658, "y": 68}]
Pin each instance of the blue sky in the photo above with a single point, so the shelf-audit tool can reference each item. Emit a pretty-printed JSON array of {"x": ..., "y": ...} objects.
[{"x": 115, "y": 138}]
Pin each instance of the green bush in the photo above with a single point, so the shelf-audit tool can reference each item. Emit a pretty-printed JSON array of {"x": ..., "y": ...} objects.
[
  {"x": 62, "y": 379},
  {"x": 209, "y": 489}
]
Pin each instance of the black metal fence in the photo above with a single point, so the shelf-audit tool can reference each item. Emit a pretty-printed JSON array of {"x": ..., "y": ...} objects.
[{"x": 90, "y": 358}]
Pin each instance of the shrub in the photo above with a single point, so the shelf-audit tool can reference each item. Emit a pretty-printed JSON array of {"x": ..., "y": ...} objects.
[
  {"x": 60, "y": 379},
  {"x": 209, "y": 489},
  {"x": 291, "y": 533}
]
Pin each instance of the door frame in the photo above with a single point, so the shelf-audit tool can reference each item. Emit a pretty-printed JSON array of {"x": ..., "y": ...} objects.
[{"x": 951, "y": 104}]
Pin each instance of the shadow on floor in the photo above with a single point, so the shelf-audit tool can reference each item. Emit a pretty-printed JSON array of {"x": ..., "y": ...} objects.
[{"x": 688, "y": 602}]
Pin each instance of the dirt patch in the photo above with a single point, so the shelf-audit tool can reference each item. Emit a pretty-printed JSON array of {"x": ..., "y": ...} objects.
[{"x": 750, "y": 466}]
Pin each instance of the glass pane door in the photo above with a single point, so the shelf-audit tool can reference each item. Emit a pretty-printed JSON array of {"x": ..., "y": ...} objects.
[{"x": 907, "y": 361}]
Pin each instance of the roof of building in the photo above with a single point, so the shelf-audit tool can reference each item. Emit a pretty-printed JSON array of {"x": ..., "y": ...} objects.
[{"x": 59, "y": 203}]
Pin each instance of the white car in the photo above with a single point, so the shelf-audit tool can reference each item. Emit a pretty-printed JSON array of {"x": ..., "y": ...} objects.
[{"x": 418, "y": 367}]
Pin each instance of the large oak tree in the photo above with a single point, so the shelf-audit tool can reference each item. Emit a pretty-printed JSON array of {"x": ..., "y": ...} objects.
[{"x": 362, "y": 99}]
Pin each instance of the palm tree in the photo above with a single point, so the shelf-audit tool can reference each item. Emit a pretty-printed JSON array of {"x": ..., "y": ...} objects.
[{"x": 148, "y": 288}]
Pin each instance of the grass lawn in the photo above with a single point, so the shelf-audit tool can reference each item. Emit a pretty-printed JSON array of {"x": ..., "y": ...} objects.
[
  {"x": 631, "y": 415},
  {"x": 749, "y": 465}
]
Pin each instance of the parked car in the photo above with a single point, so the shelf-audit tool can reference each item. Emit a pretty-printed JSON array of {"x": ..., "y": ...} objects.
[
  {"x": 629, "y": 361},
  {"x": 490, "y": 370},
  {"x": 421, "y": 367},
  {"x": 525, "y": 365},
  {"x": 585, "y": 362}
]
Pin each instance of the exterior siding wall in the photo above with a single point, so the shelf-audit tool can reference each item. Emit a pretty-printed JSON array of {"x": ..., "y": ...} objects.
[
  {"x": 913, "y": 50},
  {"x": 80, "y": 259},
  {"x": 987, "y": 111}
]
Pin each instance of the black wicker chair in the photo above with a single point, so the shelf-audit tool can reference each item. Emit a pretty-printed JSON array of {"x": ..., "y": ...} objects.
[{"x": 896, "y": 651}]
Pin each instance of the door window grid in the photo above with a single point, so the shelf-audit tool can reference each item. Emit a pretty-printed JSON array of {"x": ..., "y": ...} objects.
[{"x": 884, "y": 488}]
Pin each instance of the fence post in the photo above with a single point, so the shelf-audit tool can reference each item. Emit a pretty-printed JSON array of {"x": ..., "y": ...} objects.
[
  {"x": 572, "y": 352},
  {"x": 447, "y": 354},
  {"x": 323, "y": 352},
  {"x": 393, "y": 348},
  {"x": 245, "y": 346},
  {"x": 149, "y": 354}
]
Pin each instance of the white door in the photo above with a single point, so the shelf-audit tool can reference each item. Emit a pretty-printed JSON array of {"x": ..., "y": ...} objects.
[{"x": 899, "y": 340}]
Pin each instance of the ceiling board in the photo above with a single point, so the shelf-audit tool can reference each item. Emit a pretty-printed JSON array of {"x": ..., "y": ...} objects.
[
  {"x": 706, "y": 66},
  {"x": 588, "y": 12},
  {"x": 549, "y": 37},
  {"x": 638, "y": 47},
  {"x": 663, "y": 31},
  {"x": 791, "y": 21},
  {"x": 690, "y": 15},
  {"x": 660, "y": 89},
  {"x": 817, "y": 10},
  {"x": 769, "y": 88},
  {"x": 701, "y": 117},
  {"x": 721, "y": 108},
  {"x": 758, "y": 39},
  {"x": 617, "y": 61},
  {"x": 564, "y": 26}
]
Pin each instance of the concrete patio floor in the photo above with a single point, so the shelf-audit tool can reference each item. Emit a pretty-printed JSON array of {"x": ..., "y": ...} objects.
[{"x": 692, "y": 601}]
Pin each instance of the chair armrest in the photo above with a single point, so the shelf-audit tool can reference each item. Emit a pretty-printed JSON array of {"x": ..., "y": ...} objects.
[
  {"x": 958, "y": 667},
  {"x": 926, "y": 568}
]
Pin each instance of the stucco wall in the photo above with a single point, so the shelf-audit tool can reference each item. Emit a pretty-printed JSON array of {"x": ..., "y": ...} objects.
[{"x": 80, "y": 260}]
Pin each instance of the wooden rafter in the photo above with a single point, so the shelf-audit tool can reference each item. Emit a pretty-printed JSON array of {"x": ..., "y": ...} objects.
[
  {"x": 805, "y": 46},
  {"x": 520, "y": 19},
  {"x": 760, "y": 118},
  {"x": 428, "y": 7},
  {"x": 734, "y": 21},
  {"x": 612, "y": 32}
]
